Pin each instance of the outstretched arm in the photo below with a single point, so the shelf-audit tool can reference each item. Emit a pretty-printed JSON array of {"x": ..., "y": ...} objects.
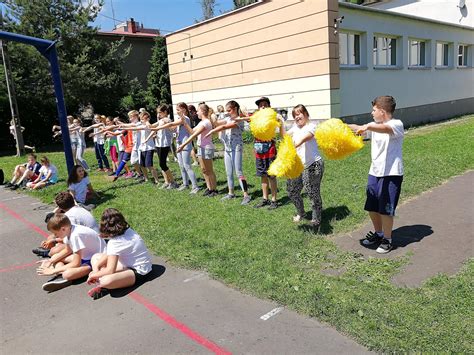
[{"x": 197, "y": 130}]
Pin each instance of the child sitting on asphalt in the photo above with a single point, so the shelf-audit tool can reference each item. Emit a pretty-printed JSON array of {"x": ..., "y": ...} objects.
[
  {"x": 74, "y": 261},
  {"x": 126, "y": 261},
  {"x": 386, "y": 171},
  {"x": 76, "y": 214}
]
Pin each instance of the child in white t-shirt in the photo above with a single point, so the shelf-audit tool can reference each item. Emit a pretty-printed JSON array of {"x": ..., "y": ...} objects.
[
  {"x": 126, "y": 261},
  {"x": 74, "y": 261},
  {"x": 386, "y": 171},
  {"x": 48, "y": 175},
  {"x": 306, "y": 146},
  {"x": 80, "y": 186}
]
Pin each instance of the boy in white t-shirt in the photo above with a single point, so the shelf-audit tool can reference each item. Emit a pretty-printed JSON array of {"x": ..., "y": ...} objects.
[
  {"x": 74, "y": 261},
  {"x": 386, "y": 171}
]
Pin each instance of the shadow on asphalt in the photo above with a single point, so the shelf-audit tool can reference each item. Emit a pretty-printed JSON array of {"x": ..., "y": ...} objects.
[{"x": 156, "y": 271}]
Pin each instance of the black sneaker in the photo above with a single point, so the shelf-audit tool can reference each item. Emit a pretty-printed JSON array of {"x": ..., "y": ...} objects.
[
  {"x": 206, "y": 192},
  {"x": 56, "y": 283},
  {"x": 8, "y": 185},
  {"x": 14, "y": 187},
  {"x": 385, "y": 246},
  {"x": 371, "y": 238},
  {"x": 262, "y": 203},
  {"x": 213, "y": 193},
  {"x": 273, "y": 205},
  {"x": 43, "y": 252}
]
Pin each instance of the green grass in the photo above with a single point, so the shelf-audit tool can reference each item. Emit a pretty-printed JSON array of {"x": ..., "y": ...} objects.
[{"x": 263, "y": 253}]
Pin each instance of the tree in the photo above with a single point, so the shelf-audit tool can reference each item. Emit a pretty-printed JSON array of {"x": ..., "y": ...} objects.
[
  {"x": 90, "y": 69},
  {"x": 158, "y": 80},
  {"x": 242, "y": 3},
  {"x": 208, "y": 9}
]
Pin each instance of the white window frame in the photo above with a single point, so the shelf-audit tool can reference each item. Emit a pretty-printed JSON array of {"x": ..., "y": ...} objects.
[
  {"x": 349, "y": 51},
  {"x": 444, "y": 54},
  {"x": 463, "y": 55},
  {"x": 389, "y": 54},
  {"x": 417, "y": 48}
]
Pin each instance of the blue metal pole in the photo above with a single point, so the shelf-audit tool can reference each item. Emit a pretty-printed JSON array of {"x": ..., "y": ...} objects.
[
  {"x": 48, "y": 50},
  {"x": 58, "y": 89}
]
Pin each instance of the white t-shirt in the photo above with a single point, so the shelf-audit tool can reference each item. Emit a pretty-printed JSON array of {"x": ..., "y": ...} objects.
[
  {"x": 386, "y": 151},
  {"x": 149, "y": 144},
  {"x": 45, "y": 170},
  {"x": 85, "y": 239},
  {"x": 131, "y": 250},
  {"x": 80, "y": 216},
  {"x": 136, "y": 137},
  {"x": 308, "y": 151},
  {"x": 80, "y": 189}
]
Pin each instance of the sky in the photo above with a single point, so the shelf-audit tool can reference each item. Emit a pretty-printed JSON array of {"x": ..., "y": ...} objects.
[{"x": 166, "y": 15}]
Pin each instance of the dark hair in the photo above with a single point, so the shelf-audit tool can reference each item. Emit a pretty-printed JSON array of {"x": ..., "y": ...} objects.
[
  {"x": 31, "y": 155},
  {"x": 112, "y": 223},
  {"x": 184, "y": 107},
  {"x": 73, "y": 177},
  {"x": 192, "y": 108},
  {"x": 234, "y": 105},
  {"x": 64, "y": 200},
  {"x": 386, "y": 103},
  {"x": 300, "y": 108},
  {"x": 58, "y": 221},
  {"x": 163, "y": 108}
]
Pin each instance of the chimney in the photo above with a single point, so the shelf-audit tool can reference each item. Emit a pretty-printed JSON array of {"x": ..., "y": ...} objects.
[{"x": 131, "y": 26}]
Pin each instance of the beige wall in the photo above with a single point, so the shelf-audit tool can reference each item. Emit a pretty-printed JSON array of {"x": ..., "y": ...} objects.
[{"x": 282, "y": 49}]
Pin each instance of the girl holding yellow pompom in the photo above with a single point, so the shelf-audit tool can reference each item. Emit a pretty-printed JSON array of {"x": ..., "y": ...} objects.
[{"x": 306, "y": 146}]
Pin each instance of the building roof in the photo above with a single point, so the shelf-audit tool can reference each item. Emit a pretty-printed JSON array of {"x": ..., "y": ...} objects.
[{"x": 398, "y": 14}]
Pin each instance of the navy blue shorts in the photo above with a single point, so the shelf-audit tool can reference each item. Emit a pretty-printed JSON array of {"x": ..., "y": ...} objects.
[
  {"x": 383, "y": 194},
  {"x": 146, "y": 158},
  {"x": 139, "y": 278},
  {"x": 85, "y": 262}
]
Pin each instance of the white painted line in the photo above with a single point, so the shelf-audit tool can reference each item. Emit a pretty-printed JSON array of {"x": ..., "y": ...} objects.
[
  {"x": 14, "y": 198},
  {"x": 271, "y": 313},
  {"x": 195, "y": 277},
  {"x": 37, "y": 203}
]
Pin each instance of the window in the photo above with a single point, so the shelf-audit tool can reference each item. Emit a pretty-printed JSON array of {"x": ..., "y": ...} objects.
[
  {"x": 349, "y": 48},
  {"x": 416, "y": 53},
  {"x": 462, "y": 55},
  {"x": 442, "y": 54},
  {"x": 385, "y": 51}
]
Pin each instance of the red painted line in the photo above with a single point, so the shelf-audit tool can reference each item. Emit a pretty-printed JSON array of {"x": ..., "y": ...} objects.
[
  {"x": 180, "y": 326},
  {"x": 17, "y": 267},
  {"x": 134, "y": 295},
  {"x": 20, "y": 218}
]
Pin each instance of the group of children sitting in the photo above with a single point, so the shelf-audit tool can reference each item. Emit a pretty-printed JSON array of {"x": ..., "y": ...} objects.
[
  {"x": 33, "y": 175},
  {"x": 110, "y": 254}
]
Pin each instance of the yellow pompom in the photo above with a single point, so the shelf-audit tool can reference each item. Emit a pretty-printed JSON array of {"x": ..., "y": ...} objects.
[
  {"x": 336, "y": 140},
  {"x": 263, "y": 124},
  {"x": 287, "y": 163}
]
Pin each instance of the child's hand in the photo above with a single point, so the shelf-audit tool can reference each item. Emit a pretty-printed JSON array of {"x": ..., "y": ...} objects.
[
  {"x": 179, "y": 149},
  {"x": 47, "y": 244},
  {"x": 91, "y": 279},
  {"x": 45, "y": 271}
]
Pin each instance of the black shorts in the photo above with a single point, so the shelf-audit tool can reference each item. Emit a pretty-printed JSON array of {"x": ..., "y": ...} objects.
[{"x": 139, "y": 278}]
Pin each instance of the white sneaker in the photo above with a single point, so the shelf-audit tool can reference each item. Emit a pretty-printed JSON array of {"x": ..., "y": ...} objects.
[
  {"x": 182, "y": 187},
  {"x": 195, "y": 191}
]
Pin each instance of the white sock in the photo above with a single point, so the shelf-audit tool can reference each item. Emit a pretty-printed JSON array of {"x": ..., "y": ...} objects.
[{"x": 380, "y": 234}]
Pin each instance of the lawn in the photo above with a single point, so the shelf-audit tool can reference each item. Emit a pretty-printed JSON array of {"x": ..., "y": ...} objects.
[{"x": 265, "y": 254}]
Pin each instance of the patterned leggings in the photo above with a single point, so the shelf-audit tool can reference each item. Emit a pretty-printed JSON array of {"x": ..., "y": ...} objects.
[{"x": 311, "y": 181}]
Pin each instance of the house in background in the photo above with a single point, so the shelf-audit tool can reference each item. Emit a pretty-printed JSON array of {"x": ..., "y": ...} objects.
[
  {"x": 301, "y": 52},
  {"x": 141, "y": 40}
]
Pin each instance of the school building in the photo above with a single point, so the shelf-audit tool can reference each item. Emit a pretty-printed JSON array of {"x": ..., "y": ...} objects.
[{"x": 333, "y": 57}]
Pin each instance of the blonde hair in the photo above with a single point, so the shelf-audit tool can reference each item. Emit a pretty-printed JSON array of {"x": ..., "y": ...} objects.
[
  {"x": 209, "y": 113},
  {"x": 58, "y": 221},
  {"x": 133, "y": 113}
]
